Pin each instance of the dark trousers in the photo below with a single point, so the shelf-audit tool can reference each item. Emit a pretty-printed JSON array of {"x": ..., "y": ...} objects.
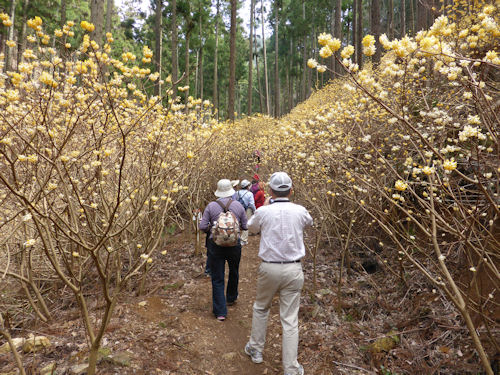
[{"x": 217, "y": 257}]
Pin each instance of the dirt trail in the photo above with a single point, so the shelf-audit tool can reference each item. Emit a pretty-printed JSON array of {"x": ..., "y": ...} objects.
[
  {"x": 171, "y": 329},
  {"x": 189, "y": 339}
]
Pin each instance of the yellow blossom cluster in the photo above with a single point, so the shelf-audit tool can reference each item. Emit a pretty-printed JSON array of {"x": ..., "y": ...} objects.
[
  {"x": 147, "y": 54},
  {"x": 35, "y": 23},
  {"x": 6, "y": 21},
  {"x": 87, "y": 26},
  {"x": 368, "y": 43}
]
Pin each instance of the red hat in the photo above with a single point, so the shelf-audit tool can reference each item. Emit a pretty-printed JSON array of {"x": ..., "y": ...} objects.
[{"x": 256, "y": 177}]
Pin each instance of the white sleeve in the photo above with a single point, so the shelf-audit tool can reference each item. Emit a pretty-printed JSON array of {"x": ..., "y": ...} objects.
[{"x": 254, "y": 223}]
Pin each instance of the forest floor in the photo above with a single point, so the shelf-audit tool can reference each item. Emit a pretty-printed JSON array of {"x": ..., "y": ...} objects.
[{"x": 382, "y": 327}]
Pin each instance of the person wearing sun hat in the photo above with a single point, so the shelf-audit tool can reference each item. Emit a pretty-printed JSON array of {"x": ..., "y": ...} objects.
[
  {"x": 281, "y": 224},
  {"x": 218, "y": 255}
]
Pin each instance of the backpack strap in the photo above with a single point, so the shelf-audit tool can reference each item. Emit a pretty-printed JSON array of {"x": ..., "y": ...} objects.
[{"x": 226, "y": 207}]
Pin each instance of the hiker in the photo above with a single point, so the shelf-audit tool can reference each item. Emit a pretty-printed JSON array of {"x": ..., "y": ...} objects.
[
  {"x": 223, "y": 245},
  {"x": 281, "y": 249},
  {"x": 255, "y": 184},
  {"x": 245, "y": 197},
  {"x": 257, "y": 156},
  {"x": 260, "y": 196}
]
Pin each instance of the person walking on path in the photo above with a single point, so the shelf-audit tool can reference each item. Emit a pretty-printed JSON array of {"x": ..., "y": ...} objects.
[
  {"x": 260, "y": 196},
  {"x": 218, "y": 255},
  {"x": 245, "y": 197},
  {"x": 255, "y": 184},
  {"x": 281, "y": 248}
]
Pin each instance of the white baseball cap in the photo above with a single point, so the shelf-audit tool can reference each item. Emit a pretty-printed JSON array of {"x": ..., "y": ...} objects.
[
  {"x": 224, "y": 189},
  {"x": 280, "y": 181},
  {"x": 245, "y": 183}
]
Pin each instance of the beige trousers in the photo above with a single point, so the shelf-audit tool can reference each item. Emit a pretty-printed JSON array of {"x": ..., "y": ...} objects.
[
  {"x": 287, "y": 280},
  {"x": 244, "y": 233}
]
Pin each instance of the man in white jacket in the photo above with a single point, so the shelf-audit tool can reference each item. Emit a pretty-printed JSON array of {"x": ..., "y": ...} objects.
[{"x": 281, "y": 224}]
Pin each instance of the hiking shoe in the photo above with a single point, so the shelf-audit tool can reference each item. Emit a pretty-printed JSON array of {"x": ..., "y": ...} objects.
[
  {"x": 254, "y": 354},
  {"x": 221, "y": 318},
  {"x": 300, "y": 371},
  {"x": 231, "y": 303}
]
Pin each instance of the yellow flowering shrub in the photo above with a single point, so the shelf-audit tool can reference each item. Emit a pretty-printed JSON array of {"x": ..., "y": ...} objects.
[{"x": 410, "y": 149}]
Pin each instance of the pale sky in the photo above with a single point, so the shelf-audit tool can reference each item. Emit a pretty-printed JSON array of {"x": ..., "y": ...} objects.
[{"x": 244, "y": 12}]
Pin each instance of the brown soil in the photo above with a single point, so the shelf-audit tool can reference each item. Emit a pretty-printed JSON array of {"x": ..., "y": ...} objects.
[{"x": 175, "y": 332}]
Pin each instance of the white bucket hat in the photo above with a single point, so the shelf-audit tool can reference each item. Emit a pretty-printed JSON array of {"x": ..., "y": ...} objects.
[
  {"x": 224, "y": 189},
  {"x": 280, "y": 181}
]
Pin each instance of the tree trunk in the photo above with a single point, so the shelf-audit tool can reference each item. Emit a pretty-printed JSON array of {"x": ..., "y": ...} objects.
[
  {"x": 158, "y": 44},
  {"x": 200, "y": 69},
  {"x": 421, "y": 19},
  {"x": 175, "y": 62},
  {"x": 338, "y": 30},
  {"x": 403, "y": 19},
  {"x": 375, "y": 26},
  {"x": 215, "y": 97},
  {"x": 266, "y": 82},
  {"x": 304, "y": 56},
  {"x": 314, "y": 49},
  {"x": 97, "y": 18},
  {"x": 189, "y": 30},
  {"x": 390, "y": 20},
  {"x": 331, "y": 25},
  {"x": 110, "y": 4},
  {"x": 9, "y": 52},
  {"x": 250, "y": 60},
  {"x": 276, "y": 66},
  {"x": 259, "y": 83},
  {"x": 290, "y": 82},
  {"x": 359, "y": 32},
  {"x": 232, "y": 62},
  {"x": 63, "y": 12},
  {"x": 286, "y": 101},
  {"x": 201, "y": 73},
  {"x": 431, "y": 14},
  {"x": 412, "y": 16},
  {"x": 186, "y": 63},
  {"x": 309, "y": 71},
  {"x": 196, "y": 72},
  {"x": 355, "y": 29},
  {"x": 21, "y": 46}
]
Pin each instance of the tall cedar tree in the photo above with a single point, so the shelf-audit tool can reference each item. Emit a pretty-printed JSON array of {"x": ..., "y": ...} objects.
[
  {"x": 215, "y": 95},
  {"x": 232, "y": 61},
  {"x": 266, "y": 81},
  {"x": 375, "y": 27},
  {"x": 338, "y": 29},
  {"x": 10, "y": 51},
  {"x": 276, "y": 66},
  {"x": 175, "y": 62},
  {"x": 250, "y": 59},
  {"x": 97, "y": 18},
  {"x": 158, "y": 44}
]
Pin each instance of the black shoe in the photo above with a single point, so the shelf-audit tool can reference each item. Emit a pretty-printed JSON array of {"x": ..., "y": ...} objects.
[{"x": 231, "y": 303}]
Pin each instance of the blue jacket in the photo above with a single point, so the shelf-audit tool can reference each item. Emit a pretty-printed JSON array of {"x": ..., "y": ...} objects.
[{"x": 247, "y": 198}]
